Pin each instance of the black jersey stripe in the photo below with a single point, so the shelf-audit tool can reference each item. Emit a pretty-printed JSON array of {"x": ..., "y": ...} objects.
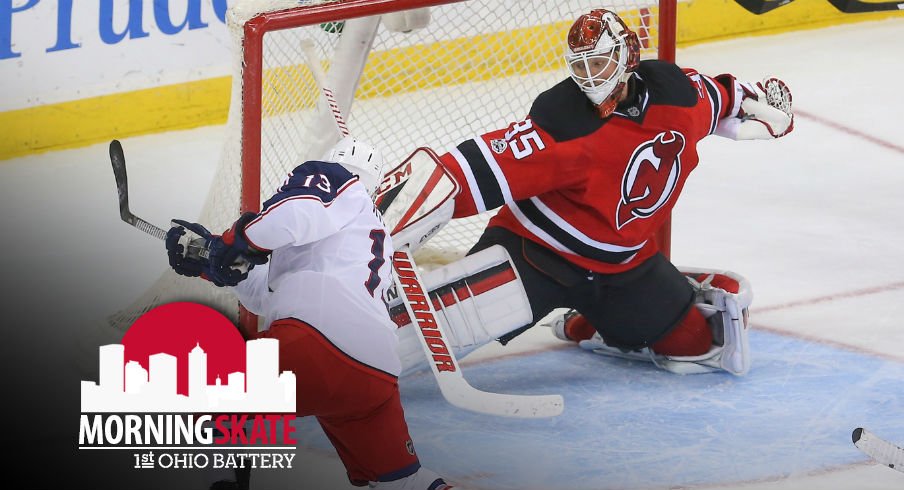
[
  {"x": 540, "y": 220},
  {"x": 488, "y": 186},
  {"x": 715, "y": 98}
]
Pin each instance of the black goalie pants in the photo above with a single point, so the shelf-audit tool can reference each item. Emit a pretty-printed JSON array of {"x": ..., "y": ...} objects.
[{"x": 630, "y": 310}]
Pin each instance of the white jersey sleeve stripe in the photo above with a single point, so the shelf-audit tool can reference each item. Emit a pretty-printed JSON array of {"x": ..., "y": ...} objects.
[
  {"x": 542, "y": 235},
  {"x": 469, "y": 177},
  {"x": 497, "y": 171},
  {"x": 576, "y": 233},
  {"x": 715, "y": 101},
  {"x": 558, "y": 234},
  {"x": 485, "y": 175}
]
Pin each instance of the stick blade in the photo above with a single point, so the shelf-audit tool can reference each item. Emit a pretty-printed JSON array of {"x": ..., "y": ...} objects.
[
  {"x": 859, "y": 7},
  {"x": 455, "y": 389},
  {"x": 118, "y": 161},
  {"x": 759, "y": 7},
  {"x": 879, "y": 449},
  {"x": 459, "y": 393}
]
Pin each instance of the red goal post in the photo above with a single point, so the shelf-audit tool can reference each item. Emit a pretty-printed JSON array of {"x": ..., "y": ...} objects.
[
  {"x": 656, "y": 33},
  {"x": 476, "y": 66},
  {"x": 267, "y": 22}
]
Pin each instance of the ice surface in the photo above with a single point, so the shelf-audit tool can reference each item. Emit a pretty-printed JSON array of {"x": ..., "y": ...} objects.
[{"x": 813, "y": 220}]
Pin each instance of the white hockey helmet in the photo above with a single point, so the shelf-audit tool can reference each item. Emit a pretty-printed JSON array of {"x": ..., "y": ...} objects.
[
  {"x": 601, "y": 53},
  {"x": 359, "y": 158}
]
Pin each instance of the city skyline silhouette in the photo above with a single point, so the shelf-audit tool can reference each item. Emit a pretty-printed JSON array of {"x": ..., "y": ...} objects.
[{"x": 126, "y": 386}]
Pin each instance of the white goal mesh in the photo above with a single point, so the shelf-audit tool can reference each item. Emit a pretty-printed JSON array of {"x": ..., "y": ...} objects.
[{"x": 476, "y": 66}]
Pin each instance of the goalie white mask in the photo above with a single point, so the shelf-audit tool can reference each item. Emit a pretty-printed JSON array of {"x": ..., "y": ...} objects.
[
  {"x": 359, "y": 158},
  {"x": 601, "y": 54}
]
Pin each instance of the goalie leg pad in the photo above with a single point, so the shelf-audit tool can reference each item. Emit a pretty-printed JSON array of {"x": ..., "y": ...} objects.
[
  {"x": 723, "y": 298},
  {"x": 477, "y": 299}
]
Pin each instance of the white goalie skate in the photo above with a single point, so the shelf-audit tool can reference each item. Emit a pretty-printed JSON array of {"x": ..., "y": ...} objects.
[{"x": 726, "y": 311}]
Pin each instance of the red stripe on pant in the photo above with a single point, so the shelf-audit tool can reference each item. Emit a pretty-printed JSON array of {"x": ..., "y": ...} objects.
[
  {"x": 357, "y": 406},
  {"x": 691, "y": 337}
]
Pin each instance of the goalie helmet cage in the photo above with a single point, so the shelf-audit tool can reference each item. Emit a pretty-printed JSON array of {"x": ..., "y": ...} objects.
[{"x": 477, "y": 65}]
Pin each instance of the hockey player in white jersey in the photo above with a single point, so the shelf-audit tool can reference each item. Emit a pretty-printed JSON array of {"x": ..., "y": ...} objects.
[{"x": 319, "y": 256}]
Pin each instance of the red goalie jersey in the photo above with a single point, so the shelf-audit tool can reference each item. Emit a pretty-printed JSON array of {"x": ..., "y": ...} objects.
[{"x": 594, "y": 190}]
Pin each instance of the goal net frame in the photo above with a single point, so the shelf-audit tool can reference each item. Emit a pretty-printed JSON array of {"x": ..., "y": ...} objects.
[
  {"x": 253, "y": 159},
  {"x": 258, "y": 26}
]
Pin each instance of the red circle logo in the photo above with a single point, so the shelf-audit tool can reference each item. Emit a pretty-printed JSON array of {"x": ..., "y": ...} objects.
[{"x": 176, "y": 329}]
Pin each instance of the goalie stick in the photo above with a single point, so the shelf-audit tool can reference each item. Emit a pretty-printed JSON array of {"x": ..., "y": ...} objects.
[
  {"x": 759, "y": 7},
  {"x": 434, "y": 340},
  {"x": 195, "y": 247},
  {"x": 859, "y": 7},
  {"x": 879, "y": 449},
  {"x": 846, "y": 6}
]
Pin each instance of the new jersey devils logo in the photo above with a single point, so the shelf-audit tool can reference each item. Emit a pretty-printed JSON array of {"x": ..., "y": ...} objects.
[{"x": 651, "y": 177}]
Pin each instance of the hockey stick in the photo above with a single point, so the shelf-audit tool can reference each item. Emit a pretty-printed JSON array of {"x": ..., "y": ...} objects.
[
  {"x": 846, "y": 6},
  {"x": 310, "y": 59},
  {"x": 858, "y": 7},
  {"x": 455, "y": 389},
  {"x": 195, "y": 247},
  {"x": 759, "y": 7},
  {"x": 879, "y": 449},
  {"x": 118, "y": 159}
]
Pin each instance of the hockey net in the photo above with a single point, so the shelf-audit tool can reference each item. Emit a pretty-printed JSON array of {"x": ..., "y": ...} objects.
[{"x": 476, "y": 66}]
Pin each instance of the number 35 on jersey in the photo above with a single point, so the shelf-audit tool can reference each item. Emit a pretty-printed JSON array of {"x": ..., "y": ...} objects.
[{"x": 522, "y": 138}]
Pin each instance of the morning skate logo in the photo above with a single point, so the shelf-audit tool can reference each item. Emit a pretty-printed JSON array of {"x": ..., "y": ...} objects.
[
  {"x": 184, "y": 390},
  {"x": 650, "y": 178}
]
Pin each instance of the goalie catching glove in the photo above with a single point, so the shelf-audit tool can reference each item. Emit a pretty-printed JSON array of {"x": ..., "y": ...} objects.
[
  {"x": 761, "y": 111},
  {"x": 222, "y": 259}
]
